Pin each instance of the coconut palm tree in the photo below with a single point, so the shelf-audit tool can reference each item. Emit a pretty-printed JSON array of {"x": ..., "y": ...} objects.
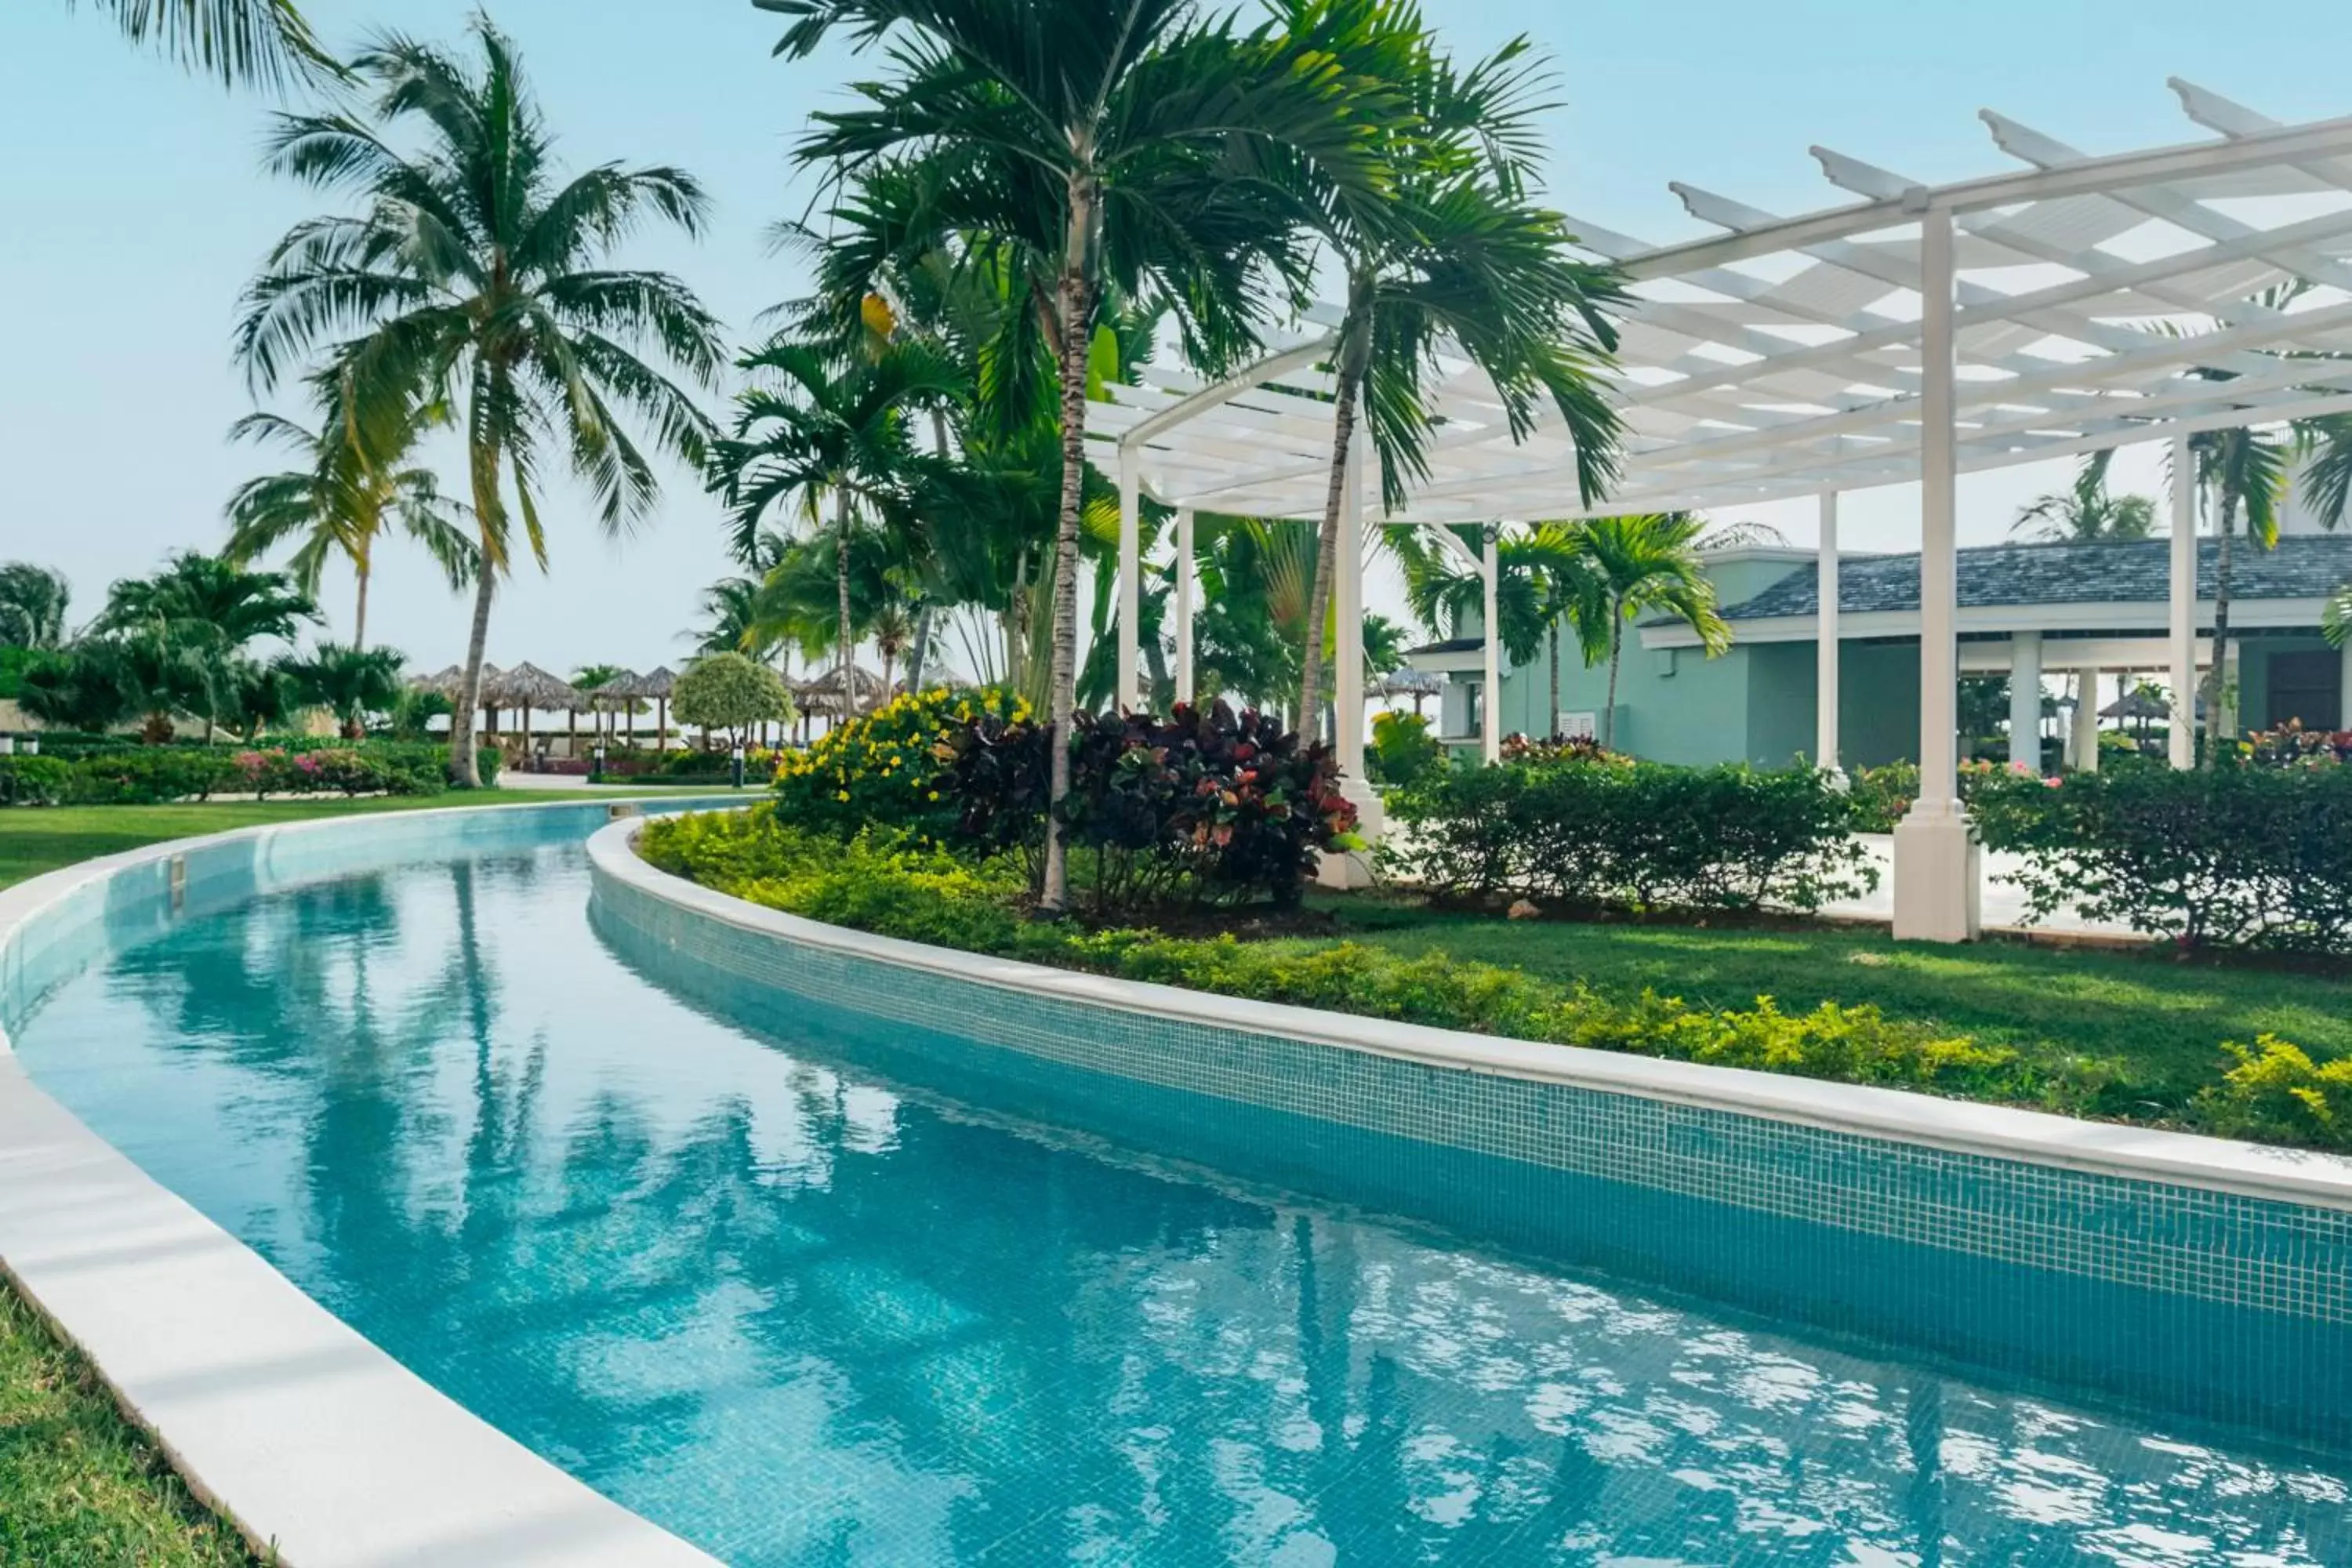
[
  {"x": 344, "y": 498},
  {"x": 237, "y": 41},
  {"x": 1650, "y": 564},
  {"x": 2245, "y": 471},
  {"x": 1545, "y": 585},
  {"x": 820, "y": 430},
  {"x": 475, "y": 279},
  {"x": 1452, "y": 258},
  {"x": 1077, "y": 145},
  {"x": 33, "y": 600},
  {"x": 2086, "y": 513}
]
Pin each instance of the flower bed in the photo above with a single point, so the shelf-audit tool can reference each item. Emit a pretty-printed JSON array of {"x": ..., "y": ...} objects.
[{"x": 150, "y": 775}]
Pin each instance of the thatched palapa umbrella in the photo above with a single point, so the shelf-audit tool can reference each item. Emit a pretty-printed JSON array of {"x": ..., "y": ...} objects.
[
  {"x": 653, "y": 687},
  {"x": 527, "y": 687},
  {"x": 825, "y": 693},
  {"x": 1417, "y": 684}
]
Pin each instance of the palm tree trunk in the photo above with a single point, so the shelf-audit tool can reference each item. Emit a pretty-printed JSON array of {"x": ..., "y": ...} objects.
[
  {"x": 918, "y": 657},
  {"x": 464, "y": 766},
  {"x": 1355, "y": 349},
  {"x": 1076, "y": 306},
  {"x": 1616, "y": 653},
  {"x": 2219, "y": 673},
  {"x": 841, "y": 588},
  {"x": 1551, "y": 723},
  {"x": 359, "y": 610}
]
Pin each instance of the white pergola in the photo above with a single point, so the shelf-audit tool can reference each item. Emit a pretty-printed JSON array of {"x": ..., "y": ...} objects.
[{"x": 1913, "y": 333}]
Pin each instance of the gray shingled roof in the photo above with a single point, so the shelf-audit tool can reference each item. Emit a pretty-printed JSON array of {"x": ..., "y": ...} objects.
[{"x": 2304, "y": 566}]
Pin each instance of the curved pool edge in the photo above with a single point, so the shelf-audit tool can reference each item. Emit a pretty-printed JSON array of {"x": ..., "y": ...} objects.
[
  {"x": 2306, "y": 1178},
  {"x": 311, "y": 1441}
]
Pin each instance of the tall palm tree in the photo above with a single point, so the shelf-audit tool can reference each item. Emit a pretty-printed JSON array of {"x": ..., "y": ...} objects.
[
  {"x": 1452, "y": 258},
  {"x": 1650, "y": 564},
  {"x": 237, "y": 41},
  {"x": 344, "y": 498},
  {"x": 2245, "y": 471},
  {"x": 1081, "y": 145},
  {"x": 821, "y": 430},
  {"x": 2085, "y": 513},
  {"x": 33, "y": 600},
  {"x": 1545, "y": 585},
  {"x": 475, "y": 279}
]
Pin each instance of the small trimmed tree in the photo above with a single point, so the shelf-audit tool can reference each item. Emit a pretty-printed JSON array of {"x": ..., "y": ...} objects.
[{"x": 728, "y": 691}]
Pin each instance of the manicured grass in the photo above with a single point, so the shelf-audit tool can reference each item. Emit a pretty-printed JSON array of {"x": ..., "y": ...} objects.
[
  {"x": 2155, "y": 1024},
  {"x": 79, "y": 1484},
  {"x": 33, "y": 840}
]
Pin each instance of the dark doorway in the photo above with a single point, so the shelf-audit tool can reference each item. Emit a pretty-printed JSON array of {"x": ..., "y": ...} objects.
[{"x": 2309, "y": 687}]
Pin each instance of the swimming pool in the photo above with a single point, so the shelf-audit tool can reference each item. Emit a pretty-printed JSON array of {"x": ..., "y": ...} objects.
[{"x": 766, "y": 1276}]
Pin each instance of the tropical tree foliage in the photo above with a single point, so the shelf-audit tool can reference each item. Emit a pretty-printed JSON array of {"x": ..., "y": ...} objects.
[
  {"x": 347, "y": 494},
  {"x": 347, "y": 680},
  {"x": 475, "y": 278},
  {"x": 1650, "y": 565},
  {"x": 728, "y": 691},
  {"x": 33, "y": 603},
  {"x": 1075, "y": 149},
  {"x": 236, "y": 41},
  {"x": 2085, "y": 513},
  {"x": 208, "y": 601}
]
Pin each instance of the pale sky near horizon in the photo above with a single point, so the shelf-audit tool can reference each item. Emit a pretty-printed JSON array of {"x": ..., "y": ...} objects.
[{"x": 132, "y": 209}]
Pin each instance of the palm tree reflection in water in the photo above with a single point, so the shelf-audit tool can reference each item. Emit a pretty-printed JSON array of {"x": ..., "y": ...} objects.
[{"x": 805, "y": 1316}]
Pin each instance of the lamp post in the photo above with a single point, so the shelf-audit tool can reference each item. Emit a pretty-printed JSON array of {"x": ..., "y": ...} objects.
[
  {"x": 597, "y": 763},
  {"x": 735, "y": 763}
]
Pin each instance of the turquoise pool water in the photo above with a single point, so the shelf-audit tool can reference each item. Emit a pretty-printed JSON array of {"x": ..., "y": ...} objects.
[{"x": 804, "y": 1303}]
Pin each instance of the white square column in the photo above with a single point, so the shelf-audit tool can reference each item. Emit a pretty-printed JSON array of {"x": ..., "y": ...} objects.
[
  {"x": 1129, "y": 692},
  {"x": 1939, "y": 888},
  {"x": 2086, "y": 721},
  {"x": 1186, "y": 590},
  {"x": 2025, "y": 699},
  {"x": 2180, "y": 746},
  {"x": 1826, "y": 634},
  {"x": 1490, "y": 729}
]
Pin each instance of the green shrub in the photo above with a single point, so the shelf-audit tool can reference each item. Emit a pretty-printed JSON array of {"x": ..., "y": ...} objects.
[
  {"x": 1607, "y": 832},
  {"x": 151, "y": 776},
  {"x": 2236, "y": 857},
  {"x": 1204, "y": 805},
  {"x": 2277, "y": 1094},
  {"x": 884, "y": 768},
  {"x": 1403, "y": 750},
  {"x": 1882, "y": 795},
  {"x": 886, "y": 884},
  {"x": 35, "y": 780}
]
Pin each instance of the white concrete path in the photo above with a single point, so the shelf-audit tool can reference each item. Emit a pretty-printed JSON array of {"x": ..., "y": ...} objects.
[{"x": 2004, "y": 901}]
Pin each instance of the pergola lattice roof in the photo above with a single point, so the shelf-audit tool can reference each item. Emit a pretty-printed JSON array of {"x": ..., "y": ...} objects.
[{"x": 2096, "y": 300}]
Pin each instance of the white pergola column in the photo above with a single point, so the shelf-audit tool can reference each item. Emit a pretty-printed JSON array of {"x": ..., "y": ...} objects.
[
  {"x": 1130, "y": 691},
  {"x": 1825, "y": 677},
  {"x": 1348, "y": 611},
  {"x": 1490, "y": 728},
  {"x": 2180, "y": 746},
  {"x": 2087, "y": 725},
  {"x": 2025, "y": 698},
  {"x": 1939, "y": 894},
  {"x": 1186, "y": 590}
]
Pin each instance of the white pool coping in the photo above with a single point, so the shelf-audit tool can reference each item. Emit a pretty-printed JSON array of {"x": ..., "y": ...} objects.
[
  {"x": 2109, "y": 1149},
  {"x": 313, "y": 1442}
]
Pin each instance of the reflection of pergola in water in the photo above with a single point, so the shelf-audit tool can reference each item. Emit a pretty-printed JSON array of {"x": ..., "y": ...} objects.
[{"x": 1915, "y": 333}]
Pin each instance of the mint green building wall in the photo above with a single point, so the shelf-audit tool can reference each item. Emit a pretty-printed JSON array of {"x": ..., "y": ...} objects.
[{"x": 1878, "y": 706}]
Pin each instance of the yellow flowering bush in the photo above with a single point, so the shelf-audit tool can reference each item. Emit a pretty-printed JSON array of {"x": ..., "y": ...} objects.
[{"x": 884, "y": 768}]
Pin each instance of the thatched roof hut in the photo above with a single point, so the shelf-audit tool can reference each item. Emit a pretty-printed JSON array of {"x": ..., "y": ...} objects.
[
  {"x": 824, "y": 693},
  {"x": 654, "y": 686},
  {"x": 527, "y": 687},
  {"x": 2138, "y": 704}
]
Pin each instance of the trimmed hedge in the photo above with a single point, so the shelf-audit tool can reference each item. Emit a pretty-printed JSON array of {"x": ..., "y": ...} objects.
[
  {"x": 152, "y": 775},
  {"x": 2233, "y": 856},
  {"x": 1607, "y": 832}
]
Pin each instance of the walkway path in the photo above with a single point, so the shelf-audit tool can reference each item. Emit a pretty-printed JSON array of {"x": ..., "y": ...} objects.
[{"x": 2005, "y": 906}]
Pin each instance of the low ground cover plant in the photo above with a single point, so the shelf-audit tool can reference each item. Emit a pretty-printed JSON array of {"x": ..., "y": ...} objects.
[
  {"x": 885, "y": 882},
  {"x": 1591, "y": 831}
]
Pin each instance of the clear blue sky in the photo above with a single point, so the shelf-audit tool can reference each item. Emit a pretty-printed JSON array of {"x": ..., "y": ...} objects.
[{"x": 134, "y": 211}]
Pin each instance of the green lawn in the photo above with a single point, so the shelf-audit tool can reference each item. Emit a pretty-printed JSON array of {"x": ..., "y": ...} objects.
[
  {"x": 42, "y": 839},
  {"x": 2155, "y": 1023},
  {"x": 79, "y": 1484}
]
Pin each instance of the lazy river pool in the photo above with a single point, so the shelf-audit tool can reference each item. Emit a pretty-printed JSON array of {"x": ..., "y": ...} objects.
[{"x": 802, "y": 1304}]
